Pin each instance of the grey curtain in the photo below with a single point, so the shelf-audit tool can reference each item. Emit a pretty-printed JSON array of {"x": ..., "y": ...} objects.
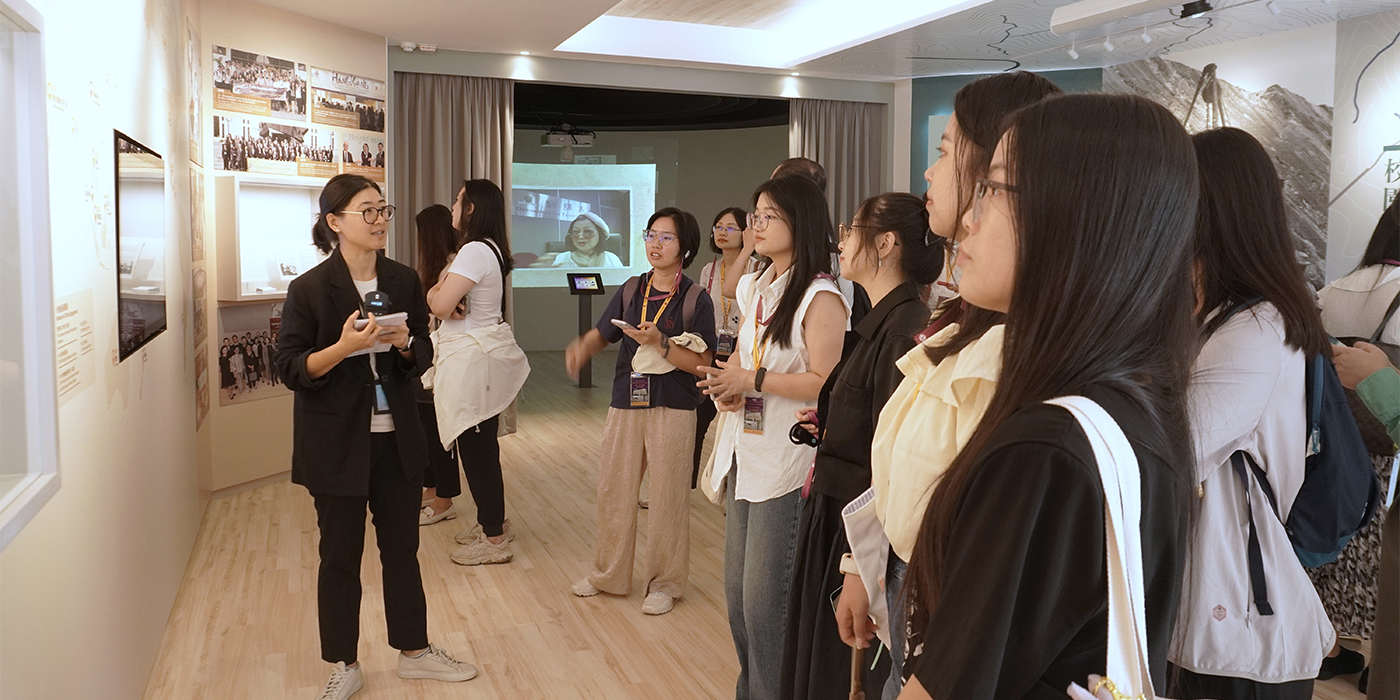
[
  {"x": 848, "y": 139},
  {"x": 447, "y": 129}
]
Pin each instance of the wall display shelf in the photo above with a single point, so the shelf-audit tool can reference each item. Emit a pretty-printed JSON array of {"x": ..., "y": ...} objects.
[{"x": 263, "y": 227}]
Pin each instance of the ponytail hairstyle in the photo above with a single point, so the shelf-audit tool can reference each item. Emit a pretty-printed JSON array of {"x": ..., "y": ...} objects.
[
  {"x": 437, "y": 239},
  {"x": 804, "y": 209},
  {"x": 1107, "y": 191},
  {"x": 1244, "y": 249},
  {"x": 903, "y": 214},
  {"x": 335, "y": 197},
  {"x": 981, "y": 108},
  {"x": 487, "y": 220}
]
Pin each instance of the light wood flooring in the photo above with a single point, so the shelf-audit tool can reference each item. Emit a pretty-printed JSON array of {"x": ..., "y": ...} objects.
[{"x": 244, "y": 624}]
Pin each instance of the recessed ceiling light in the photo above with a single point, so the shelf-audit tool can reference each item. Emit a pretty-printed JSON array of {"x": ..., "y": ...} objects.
[
  {"x": 796, "y": 74},
  {"x": 524, "y": 53}
]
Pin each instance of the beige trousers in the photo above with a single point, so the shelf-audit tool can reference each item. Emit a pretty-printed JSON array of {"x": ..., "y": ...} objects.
[{"x": 660, "y": 441}]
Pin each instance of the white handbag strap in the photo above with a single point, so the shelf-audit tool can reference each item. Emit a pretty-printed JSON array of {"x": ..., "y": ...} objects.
[{"x": 1122, "y": 487}]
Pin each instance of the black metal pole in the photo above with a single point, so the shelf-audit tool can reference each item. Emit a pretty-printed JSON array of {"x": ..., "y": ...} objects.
[{"x": 585, "y": 323}]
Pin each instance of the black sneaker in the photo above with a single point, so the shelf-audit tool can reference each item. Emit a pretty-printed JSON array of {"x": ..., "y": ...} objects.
[{"x": 1344, "y": 663}]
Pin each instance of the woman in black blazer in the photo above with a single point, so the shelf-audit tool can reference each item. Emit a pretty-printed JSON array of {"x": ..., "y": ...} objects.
[{"x": 357, "y": 438}]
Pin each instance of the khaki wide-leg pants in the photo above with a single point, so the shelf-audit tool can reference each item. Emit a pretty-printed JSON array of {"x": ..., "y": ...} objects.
[{"x": 660, "y": 441}]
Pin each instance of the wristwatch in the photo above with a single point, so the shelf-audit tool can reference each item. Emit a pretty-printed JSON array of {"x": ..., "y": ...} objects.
[{"x": 406, "y": 346}]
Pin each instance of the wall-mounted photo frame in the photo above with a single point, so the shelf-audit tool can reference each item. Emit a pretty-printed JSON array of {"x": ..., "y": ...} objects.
[{"x": 141, "y": 278}]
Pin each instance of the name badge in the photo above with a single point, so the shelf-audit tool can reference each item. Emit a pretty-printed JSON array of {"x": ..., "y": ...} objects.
[
  {"x": 753, "y": 415},
  {"x": 641, "y": 390},
  {"x": 381, "y": 402},
  {"x": 724, "y": 343}
]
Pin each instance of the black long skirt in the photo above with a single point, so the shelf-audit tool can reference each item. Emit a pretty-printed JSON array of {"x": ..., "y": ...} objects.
[{"x": 816, "y": 663}]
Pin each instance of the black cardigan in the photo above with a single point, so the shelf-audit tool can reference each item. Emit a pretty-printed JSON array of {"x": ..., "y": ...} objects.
[
  {"x": 858, "y": 388},
  {"x": 330, "y": 419}
]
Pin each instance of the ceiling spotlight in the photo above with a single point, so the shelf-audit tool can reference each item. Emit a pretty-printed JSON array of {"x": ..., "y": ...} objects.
[
  {"x": 1273, "y": 8},
  {"x": 1072, "y": 53},
  {"x": 1197, "y": 7},
  {"x": 1108, "y": 44},
  {"x": 795, "y": 74},
  {"x": 1146, "y": 38},
  {"x": 524, "y": 53}
]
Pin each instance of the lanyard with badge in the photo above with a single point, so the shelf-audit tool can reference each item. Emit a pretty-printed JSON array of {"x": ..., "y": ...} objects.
[
  {"x": 377, "y": 303},
  {"x": 753, "y": 405},
  {"x": 641, "y": 383},
  {"x": 726, "y": 339}
]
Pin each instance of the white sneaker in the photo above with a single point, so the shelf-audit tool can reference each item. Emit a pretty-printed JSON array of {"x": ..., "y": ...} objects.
[
  {"x": 428, "y": 517},
  {"x": 583, "y": 589},
  {"x": 345, "y": 681},
  {"x": 483, "y": 551},
  {"x": 435, "y": 665},
  {"x": 473, "y": 533},
  {"x": 657, "y": 603}
]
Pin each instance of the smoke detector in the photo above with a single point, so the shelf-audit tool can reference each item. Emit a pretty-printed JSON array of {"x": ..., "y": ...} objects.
[{"x": 408, "y": 46}]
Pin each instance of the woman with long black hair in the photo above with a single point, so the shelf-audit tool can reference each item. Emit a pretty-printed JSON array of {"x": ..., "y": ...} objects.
[
  {"x": 1261, "y": 327},
  {"x": 890, "y": 252},
  {"x": 437, "y": 246},
  {"x": 795, "y": 319},
  {"x": 1080, "y": 234},
  {"x": 357, "y": 439},
  {"x": 479, "y": 367}
]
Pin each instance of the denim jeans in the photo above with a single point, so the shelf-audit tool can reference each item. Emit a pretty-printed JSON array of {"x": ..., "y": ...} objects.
[
  {"x": 760, "y": 541},
  {"x": 894, "y": 590}
]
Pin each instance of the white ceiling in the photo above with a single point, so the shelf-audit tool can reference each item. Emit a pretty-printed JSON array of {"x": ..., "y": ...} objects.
[{"x": 997, "y": 35}]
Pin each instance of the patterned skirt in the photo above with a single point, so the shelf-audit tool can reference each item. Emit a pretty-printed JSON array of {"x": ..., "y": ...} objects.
[{"x": 1348, "y": 586}]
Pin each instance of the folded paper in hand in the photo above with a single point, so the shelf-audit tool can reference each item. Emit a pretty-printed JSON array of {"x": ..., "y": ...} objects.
[{"x": 396, "y": 319}]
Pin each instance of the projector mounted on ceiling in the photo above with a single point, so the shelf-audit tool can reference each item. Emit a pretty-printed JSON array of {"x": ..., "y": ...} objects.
[
  {"x": 1092, "y": 14},
  {"x": 567, "y": 135}
]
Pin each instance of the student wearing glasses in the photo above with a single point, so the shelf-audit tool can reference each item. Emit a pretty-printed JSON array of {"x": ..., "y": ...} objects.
[
  {"x": 794, "y": 323},
  {"x": 357, "y": 438},
  {"x": 727, "y": 242},
  {"x": 665, "y": 323}
]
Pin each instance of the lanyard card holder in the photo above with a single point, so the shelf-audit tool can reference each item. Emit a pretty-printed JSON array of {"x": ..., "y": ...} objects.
[
  {"x": 753, "y": 415},
  {"x": 641, "y": 390},
  {"x": 381, "y": 401},
  {"x": 725, "y": 341}
]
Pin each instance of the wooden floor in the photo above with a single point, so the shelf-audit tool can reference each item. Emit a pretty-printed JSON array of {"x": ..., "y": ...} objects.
[{"x": 244, "y": 625}]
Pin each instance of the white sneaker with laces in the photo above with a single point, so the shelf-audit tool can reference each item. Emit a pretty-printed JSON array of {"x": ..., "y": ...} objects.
[
  {"x": 482, "y": 551},
  {"x": 657, "y": 603},
  {"x": 345, "y": 681},
  {"x": 473, "y": 533},
  {"x": 435, "y": 665},
  {"x": 428, "y": 517}
]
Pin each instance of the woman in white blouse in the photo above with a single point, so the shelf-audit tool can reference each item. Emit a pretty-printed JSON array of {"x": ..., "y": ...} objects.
[
  {"x": 1237, "y": 636},
  {"x": 795, "y": 320}
]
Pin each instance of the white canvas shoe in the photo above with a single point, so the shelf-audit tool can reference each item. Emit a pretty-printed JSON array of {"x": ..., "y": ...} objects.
[
  {"x": 345, "y": 681},
  {"x": 435, "y": 665}
]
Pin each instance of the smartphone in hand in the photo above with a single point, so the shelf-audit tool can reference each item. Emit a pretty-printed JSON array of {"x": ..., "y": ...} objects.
[{"x": 623, "y": 324}]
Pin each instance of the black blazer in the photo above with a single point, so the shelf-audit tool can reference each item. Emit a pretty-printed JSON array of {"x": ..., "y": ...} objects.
[{"x": 330, "y": 419}]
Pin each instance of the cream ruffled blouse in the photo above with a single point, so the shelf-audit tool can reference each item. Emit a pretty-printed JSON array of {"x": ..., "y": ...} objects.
[{"x": 924, "y": 425}]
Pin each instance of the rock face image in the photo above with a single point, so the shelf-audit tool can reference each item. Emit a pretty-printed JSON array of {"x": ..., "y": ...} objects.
[{"x": 1296, "y": 133}]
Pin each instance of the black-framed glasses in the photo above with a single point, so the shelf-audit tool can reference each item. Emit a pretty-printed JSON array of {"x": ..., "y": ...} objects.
[
  {"x": 759, "y": 222},
  {"x": 373, "y": 214},
  {"x": 664, "y": 238},
  {"x": 986, "y": 188}
]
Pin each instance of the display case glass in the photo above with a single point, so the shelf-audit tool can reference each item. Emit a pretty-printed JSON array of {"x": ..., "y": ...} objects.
[{"x": 264, "y": 232}]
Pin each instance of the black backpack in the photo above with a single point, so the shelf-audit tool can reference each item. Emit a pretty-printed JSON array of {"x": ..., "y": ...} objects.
[
  {"x": 1340, "y": 492},
  {"x": 692, "y": 295}
]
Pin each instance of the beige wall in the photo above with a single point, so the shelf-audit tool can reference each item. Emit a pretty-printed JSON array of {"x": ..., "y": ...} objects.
[
  {"x": 86, "y": 588},
  {"x": 701, "y": 172},
  {"x": 248, "y": 441}
]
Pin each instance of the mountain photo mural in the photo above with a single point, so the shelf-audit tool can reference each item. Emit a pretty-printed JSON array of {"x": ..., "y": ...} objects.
[{"x": 1296, "y": 133}]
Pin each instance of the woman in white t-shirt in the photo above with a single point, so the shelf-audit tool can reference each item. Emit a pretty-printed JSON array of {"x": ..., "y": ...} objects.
[
  {"x": 474, "y": 345},
  {"x": 795, "y": 319},
  {"x": 727, "y": 242}
]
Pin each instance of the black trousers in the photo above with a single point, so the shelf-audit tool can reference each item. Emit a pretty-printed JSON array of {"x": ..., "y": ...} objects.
[
  {"x": 393, "y": 501},
  {"x": 1188, "y": 685},
  {"x": 480, "y": 452},
  {"x": 441, "y": 473}
]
